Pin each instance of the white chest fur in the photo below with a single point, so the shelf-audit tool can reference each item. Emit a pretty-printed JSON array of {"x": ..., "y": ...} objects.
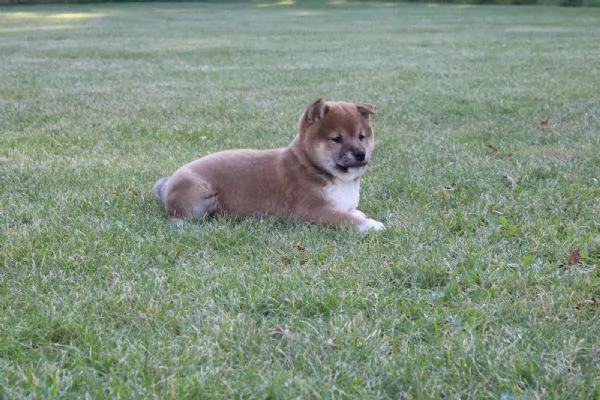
[{"x": 343, "y": 195}]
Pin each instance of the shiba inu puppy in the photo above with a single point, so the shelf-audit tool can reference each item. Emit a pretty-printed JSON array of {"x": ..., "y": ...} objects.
[{"x": 315, "y": 179}]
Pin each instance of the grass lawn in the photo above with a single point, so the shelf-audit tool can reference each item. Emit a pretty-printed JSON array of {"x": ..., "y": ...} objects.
[{"x": 469, "y": 293}]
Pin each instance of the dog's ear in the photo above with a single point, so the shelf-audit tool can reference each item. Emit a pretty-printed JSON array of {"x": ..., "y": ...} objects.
[
  {"x": 316, "y": 110},
  {"x": 366, "y": 109}
]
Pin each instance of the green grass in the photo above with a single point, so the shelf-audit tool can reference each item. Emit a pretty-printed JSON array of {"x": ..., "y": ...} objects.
[{"x": 467, "y": 294}]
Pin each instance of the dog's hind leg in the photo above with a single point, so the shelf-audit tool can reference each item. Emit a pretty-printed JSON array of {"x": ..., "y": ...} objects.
[{"x": 189, "y": 197}]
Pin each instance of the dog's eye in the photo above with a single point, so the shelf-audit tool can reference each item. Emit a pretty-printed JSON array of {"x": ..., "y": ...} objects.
[
  {"x": 337, "y": 139},
  {"x": 361, "y": 136}
]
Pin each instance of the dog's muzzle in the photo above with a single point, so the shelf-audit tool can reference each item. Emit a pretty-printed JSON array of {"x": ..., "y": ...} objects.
[
  {"x": 352, "y": 159},
  {"x": 344, "y": 167}
]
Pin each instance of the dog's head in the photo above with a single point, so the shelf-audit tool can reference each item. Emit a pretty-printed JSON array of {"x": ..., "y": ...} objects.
[{"x": 337, "y": 136}]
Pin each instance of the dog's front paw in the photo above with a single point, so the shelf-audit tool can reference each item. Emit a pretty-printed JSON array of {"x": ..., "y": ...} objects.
[
  {"x": 370, "y": 224},
  {"x": 359, "y": 213}
]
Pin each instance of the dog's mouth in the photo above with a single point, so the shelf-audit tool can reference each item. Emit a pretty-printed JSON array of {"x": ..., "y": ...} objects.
[{"x": 346, "y": 167}]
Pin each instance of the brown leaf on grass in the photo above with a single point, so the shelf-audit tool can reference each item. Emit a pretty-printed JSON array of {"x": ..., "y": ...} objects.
[
  {"x": 586, "y": 303},
  {"x": 511, "y": 180},
  {"x": 542, "y": 393},
  {"x": 385, "y": 263},
  {"x": 497, "y": 152},
  {"x": 494, "y": 150},
  {"x": 282, "y": 332},
  {"x": 76, "y": 257},
  {"x": 112, "y": 276},
  {"x": 543, "y": 122},
  {"x": 574, "y": 257},
  {"x": 331, "y": 343},
  {"x": 300, "y": 247},
  {"x": 449, "y": 189}
]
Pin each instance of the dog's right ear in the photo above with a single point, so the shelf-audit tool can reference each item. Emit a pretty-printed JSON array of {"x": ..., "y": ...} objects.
[
  {"x": 316, "y": 110},
  {"x": 366, "y": 109}
]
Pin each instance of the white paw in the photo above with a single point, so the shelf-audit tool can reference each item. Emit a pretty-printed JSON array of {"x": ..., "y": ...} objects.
[
  {"x": 370, "y": 224},
  {"x": 176, "y": 221}
]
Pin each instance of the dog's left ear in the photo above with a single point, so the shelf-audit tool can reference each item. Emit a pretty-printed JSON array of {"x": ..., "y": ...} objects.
[{"x": 366, "y": 109}]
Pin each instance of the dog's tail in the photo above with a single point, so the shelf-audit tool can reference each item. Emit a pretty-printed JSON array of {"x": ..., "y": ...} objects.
[{"x": 159, "y": 188}]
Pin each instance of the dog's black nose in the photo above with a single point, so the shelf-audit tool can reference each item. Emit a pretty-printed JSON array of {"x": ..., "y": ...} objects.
[{"x": 359, "y": 155}]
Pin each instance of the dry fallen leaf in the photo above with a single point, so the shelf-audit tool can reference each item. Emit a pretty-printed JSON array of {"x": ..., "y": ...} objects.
[
  {"x": 542, "y": 393},
  {"x": 76, "y": 257},
  {"x": 449, "y": 189},
  {"x": 586, "y": 303},
  {"x": 112, "y": 276},
  {"x": 574, "y": 257},
  {"x": 511, "y": 180},
  {"x": 331, "y": 343},
  {"x": 497, "y": 152},
  {"x": 494, "y": 150},
  {"x": 281, "y": 331},
  {"x": 300, "y": 247},
  {"x": 385, "y": 263}
]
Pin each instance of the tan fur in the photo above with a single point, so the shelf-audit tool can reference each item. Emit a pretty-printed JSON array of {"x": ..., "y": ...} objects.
[{"x": 315, "y": 178}]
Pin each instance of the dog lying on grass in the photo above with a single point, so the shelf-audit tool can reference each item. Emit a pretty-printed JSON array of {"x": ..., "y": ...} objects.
[{"x": 315, "y": 179}]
